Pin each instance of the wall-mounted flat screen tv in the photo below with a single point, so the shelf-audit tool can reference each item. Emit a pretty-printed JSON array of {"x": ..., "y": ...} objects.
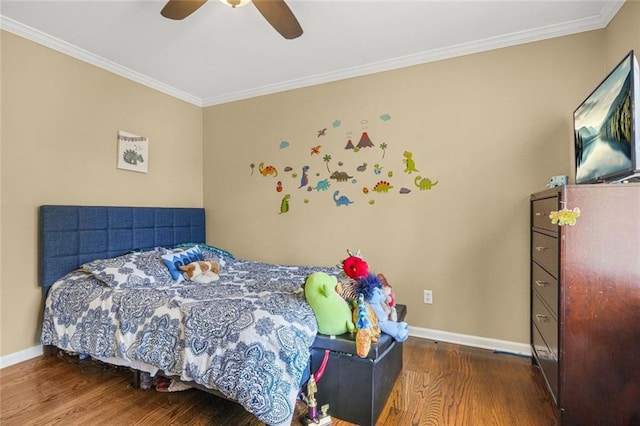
[{"x": 606, "y": 127}]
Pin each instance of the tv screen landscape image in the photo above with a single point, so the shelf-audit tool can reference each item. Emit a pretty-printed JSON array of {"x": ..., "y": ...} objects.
[{"x": 606, "y": 127}]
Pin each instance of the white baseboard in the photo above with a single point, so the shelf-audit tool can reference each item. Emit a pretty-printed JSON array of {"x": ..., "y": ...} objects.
[
  {"x": 496, "y": 345},
  {"x": 424, "y": 333},
  {"x": 23, "y": 355}
]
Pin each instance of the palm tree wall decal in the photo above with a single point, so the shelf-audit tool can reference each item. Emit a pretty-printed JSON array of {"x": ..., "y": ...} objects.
[
  {"x": 326, "y": 159},
  {"x": 383, "y": 147}
]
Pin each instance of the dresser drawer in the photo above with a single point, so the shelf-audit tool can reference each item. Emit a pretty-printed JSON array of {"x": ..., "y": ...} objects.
[
  {"x": 544, "y": 250},
  {"x": 545, "y": 323},
  {"x": 540, "y": 210},
  {"x": 548, "y": 363},
  {"x": 546, "y": 286}
]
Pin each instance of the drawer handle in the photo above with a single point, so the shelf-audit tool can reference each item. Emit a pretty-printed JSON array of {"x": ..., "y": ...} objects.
[
  {"x": 542, "y": 318},
  {"x": 541, "y": 283},
  {"x": 541, "y": 248}
]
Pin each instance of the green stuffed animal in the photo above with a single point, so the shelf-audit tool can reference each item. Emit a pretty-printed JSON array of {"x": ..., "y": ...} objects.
[{"x": 332, "y": 311}]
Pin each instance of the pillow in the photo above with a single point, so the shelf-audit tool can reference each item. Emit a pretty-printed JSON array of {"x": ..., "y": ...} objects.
[
  {"x": 181, "y": 258},
  {"x": 129, "y": 270},
  {"x": 209, "y": 252}
]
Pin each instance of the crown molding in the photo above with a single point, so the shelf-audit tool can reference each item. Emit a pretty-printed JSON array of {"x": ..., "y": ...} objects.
[
  {"x": 69, "y": 49},
  {"x": 566, "y": 28},
  {"x": 609, "y": 10}
]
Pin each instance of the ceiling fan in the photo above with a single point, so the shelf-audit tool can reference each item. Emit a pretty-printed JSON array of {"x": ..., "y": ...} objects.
[{"x": 276, "y": 12}]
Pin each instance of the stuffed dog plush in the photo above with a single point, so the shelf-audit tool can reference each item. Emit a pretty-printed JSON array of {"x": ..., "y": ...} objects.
[{"x": 202, "y": 272}]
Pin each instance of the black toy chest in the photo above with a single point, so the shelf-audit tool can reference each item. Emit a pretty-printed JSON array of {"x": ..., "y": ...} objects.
[{"x": 355, "y": 388}]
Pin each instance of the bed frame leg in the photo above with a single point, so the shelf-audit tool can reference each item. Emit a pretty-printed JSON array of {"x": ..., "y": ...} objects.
[
  {"x": 135, "y": 379},
  {"x": 48, "y": 350},
  {"x": 140, "y": 379}
]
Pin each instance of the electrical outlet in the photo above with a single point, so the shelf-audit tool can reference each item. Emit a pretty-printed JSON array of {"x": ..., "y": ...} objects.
[{"x": 428, "y": 297}]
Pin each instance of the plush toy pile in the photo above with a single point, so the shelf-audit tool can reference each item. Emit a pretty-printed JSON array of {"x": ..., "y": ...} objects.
[{"x": 361, "y": 302}]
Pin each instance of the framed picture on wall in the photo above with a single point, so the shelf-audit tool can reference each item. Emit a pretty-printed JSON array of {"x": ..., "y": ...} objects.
[{"x": 133, "y": 152}]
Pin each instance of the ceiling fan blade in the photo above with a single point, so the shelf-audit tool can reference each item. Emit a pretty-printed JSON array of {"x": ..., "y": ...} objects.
[
  {"x": 278, "y": 14},
  {"x": 180, "y": 9}
]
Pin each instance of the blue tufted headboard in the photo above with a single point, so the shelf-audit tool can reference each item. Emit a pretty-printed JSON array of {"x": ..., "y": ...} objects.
[{"x": 73, "y": 235}]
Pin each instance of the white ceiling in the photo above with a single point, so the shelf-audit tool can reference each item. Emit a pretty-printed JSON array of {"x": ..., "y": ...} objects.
[{"x": 220, "y": 54}]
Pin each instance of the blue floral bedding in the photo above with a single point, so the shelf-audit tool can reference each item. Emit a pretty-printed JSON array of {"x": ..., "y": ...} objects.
[{"x": 247, "y": 335}]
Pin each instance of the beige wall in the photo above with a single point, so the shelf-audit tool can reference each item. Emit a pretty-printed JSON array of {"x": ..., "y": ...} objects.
[
  {"x": 491, "y": 127},
  {"x": 60, "y": 119},
  {"x": 622, "y": 34}
]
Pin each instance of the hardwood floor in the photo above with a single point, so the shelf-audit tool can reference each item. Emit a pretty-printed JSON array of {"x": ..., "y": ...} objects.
[{"x": 440, "y": 384}]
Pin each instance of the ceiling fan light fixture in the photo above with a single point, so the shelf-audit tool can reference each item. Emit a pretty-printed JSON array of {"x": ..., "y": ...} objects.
[
  {"x": 276, "y": 12},
  {"x": 235, "y": 3}
]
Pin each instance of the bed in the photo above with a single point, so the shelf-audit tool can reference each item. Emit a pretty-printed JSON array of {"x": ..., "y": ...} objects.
[{"x": 110, "y": 295}]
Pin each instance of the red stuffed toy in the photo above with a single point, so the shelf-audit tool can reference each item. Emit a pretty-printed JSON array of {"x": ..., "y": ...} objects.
[{"x": 354, "y": 266}]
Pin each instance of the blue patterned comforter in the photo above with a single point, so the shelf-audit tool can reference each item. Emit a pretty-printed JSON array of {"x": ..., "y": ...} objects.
[{"x": 247, "y": 335}]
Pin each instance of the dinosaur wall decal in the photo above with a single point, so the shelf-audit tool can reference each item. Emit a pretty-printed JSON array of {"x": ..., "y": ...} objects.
[
  {"x": 367, "y": 165},
  {"x": 342, "y": 200}
]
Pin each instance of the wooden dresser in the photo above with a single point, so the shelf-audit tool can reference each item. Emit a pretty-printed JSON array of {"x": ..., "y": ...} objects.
[{"x": 585, "y": 302}]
